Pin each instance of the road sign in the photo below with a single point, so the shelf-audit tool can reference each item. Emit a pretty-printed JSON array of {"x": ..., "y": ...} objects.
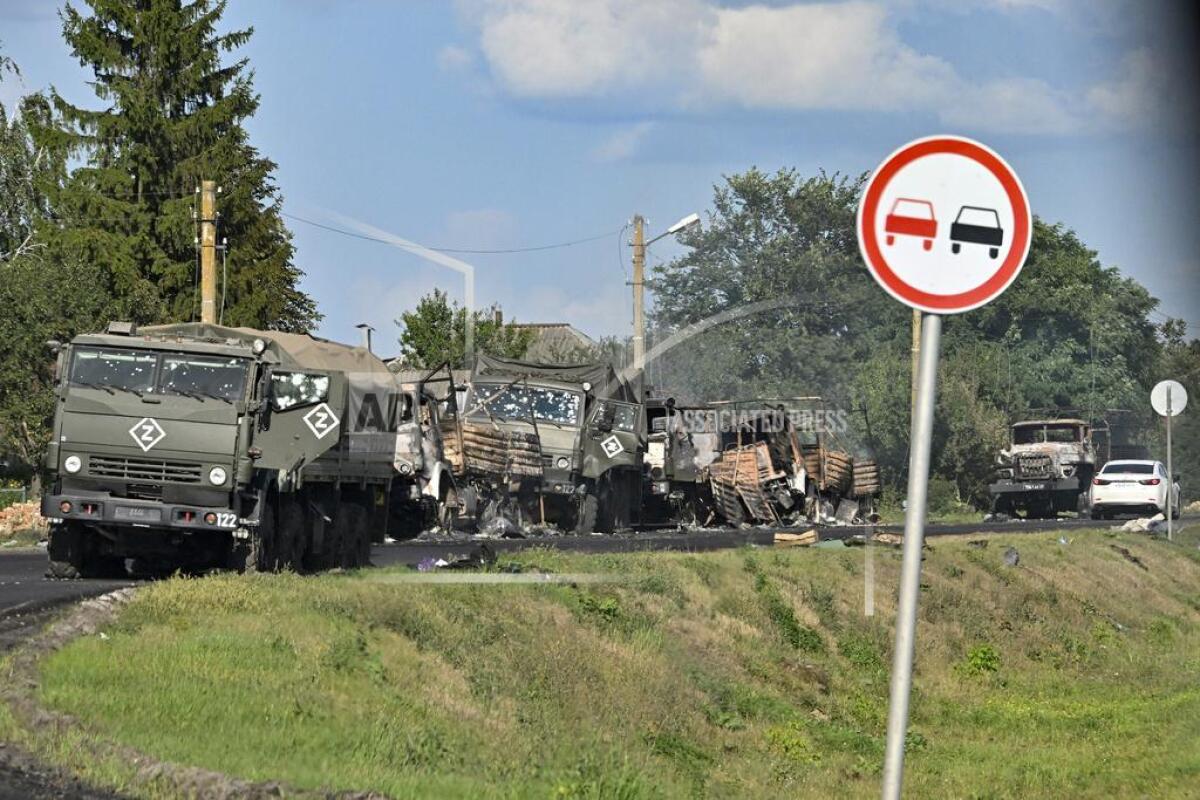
[
  {"x": 1168, "y": 398},
  {"x": 944, "y": 225}
]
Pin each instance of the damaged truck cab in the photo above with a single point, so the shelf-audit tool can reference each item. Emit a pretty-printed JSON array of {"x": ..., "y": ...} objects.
[
  {"x": 1046, "y": 469},
  {"x": 542, "y": 444},
  {"x": 195, "y": 446}
]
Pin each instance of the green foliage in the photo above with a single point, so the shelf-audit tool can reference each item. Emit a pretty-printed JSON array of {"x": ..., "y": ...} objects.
[
  {"x": 172, "y": 115},
  {"x": 981, "y": 659},
  {"x": 434, "y": 333}
]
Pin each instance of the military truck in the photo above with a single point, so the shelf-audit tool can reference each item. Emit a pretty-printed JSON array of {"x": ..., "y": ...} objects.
[
  {"x": 772, "y": 470},
  {"x": 425, "y": 494},
  {"x": 1046, "y": 468},
  {"x": 680, "y": 444},
  {"x": 546, "y": 444},
  {"x": 195, "y": 445}
]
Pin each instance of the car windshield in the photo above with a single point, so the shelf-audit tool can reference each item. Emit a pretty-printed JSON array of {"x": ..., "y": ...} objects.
[
  {"x": 913, "y": 208},
  {"x": 1127, "y": 468},
  {"x": 983, "y": 217},
  {"x": 207, "y": 376},
  {"x": 515, "y": 402},
  {"x": 1038, "y": 434},
  {"x": 130, "y": 370}
]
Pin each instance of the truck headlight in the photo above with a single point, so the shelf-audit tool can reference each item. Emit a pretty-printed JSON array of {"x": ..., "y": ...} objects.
[
  {"x": 72, "y": 464},
  {"x": 405, "y": 468},
  {"x": 563, "y": 462},
  {"x": 217, "y": 476}
]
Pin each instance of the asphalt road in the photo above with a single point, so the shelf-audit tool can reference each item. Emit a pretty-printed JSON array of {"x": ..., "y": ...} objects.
[{"x": 24, "y": 591}]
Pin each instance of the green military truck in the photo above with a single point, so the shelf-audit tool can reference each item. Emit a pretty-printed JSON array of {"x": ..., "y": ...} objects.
[
  {"x": 194, "y": 445},
  {"x": 543, "y": 444}
]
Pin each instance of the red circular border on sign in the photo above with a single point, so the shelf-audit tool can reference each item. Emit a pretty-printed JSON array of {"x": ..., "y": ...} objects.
[{"x": 1016, "y": 198}]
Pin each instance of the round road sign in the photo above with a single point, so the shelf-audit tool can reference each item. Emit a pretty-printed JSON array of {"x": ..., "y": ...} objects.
[
  {"x": 944, "y": 224},
  {"x": 1177, "y": 396}
]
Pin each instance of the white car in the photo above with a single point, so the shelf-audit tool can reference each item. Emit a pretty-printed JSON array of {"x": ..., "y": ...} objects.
[{"x": 1133, "y": 487}]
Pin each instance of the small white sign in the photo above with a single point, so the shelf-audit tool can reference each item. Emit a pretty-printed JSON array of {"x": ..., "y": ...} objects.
[
  {"x": 1172, "y": 391},
  {"x": 321, "y": 420},
  {"x": 612, "y": 446},
  {"x": 147, "y": 433}
]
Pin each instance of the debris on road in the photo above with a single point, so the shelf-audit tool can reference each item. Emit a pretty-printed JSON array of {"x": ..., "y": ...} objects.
[
  {"x": 1146, "y": 524},
  {"x": 783, "y": 539}
]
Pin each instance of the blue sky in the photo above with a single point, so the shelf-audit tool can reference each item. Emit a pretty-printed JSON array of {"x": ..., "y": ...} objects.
[{"x": 494, "y": 124}]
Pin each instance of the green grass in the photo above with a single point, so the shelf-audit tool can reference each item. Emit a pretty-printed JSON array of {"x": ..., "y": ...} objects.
[{"x": 736, "y": 674}]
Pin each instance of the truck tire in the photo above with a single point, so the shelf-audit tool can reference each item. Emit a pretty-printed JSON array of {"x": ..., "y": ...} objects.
[
  {"x": 587, "y": 512},
  {"x": 73, "y": 554},
  {"x": 351, "y": 545}
]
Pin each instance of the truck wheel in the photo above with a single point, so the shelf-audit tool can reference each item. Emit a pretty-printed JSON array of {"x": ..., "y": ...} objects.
[
  {"x": 352, "y": 541},
  {"x": 257, "y": 552},
  {"x": 291, "y": 532},
  {"x": 73, "y": 555},
  {"x": 586, "y": 513}
]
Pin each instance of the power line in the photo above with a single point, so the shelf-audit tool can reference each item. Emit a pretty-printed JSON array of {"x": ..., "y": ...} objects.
[{"x": 367, "y": 238}]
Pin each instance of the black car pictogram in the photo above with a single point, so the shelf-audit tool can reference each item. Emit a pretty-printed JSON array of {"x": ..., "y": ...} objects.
[{"x": 981, "y": 226}]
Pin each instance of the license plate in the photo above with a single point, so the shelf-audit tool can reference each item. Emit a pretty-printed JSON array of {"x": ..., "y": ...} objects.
[
  {"x": 226, "y": 519},
  {"x": 1033, "y": 487},
  {"x": 138, "y": 514}
]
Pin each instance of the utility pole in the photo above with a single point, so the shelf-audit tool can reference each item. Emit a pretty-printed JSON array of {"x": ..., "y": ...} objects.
[
  {"x": 208, "y": 252},
  {"x": 639, "y": 292}
]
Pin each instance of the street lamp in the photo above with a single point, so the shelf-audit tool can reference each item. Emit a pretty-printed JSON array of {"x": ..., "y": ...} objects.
[{"x": 639, "y": 280}]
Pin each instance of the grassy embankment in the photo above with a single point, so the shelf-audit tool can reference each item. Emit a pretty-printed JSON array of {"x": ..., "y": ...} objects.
[{"x": 733, "y": 674}]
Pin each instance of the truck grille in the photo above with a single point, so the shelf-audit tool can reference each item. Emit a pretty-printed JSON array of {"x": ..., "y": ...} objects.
[
  {"x": 1033, "y": 465},
  {"x": 143, "y": 470}
]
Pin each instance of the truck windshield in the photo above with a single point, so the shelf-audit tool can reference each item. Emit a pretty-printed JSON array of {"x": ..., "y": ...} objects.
[
  {"x": 130, "y": 370},
  {"x": 219, "y": 377},
  {"x": 140, "y": 372},
  {"x": 1039, "y": 434},
  {"x": 515, "y": 402}
]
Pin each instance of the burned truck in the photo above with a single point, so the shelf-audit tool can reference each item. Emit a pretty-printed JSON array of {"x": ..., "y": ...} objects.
[
  {"x": 547, "y": 445},
  {"x": 425, "y": 494},
  {"x": 681, "y": 442},
  {"x": 195, "y": 446},
  {"x": 771, "y": 470},
  {"x": 1046, "y": 468}
]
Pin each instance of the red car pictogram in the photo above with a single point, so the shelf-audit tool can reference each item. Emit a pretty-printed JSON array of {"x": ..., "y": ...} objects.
[{"x": 910, "y": 217}]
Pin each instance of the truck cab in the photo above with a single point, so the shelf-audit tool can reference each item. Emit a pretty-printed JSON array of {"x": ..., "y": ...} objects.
[{"x": 1046, "y": 468}]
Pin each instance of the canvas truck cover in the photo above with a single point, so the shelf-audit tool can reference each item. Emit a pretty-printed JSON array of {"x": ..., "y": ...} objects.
[{"x": 601, "y": 375}]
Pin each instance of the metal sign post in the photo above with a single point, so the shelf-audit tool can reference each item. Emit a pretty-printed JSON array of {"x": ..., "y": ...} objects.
[
  {"x": 910, "y": 571},
  {"x": 1169, "y": 398},
  {"x": 938, "y": 268}
]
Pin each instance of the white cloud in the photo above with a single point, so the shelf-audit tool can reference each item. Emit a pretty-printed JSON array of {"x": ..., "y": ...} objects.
[
  {"x": 622, "y": 144},
  {"x": 696, "y": 56},
  {"x": 1143, "y": 93}
]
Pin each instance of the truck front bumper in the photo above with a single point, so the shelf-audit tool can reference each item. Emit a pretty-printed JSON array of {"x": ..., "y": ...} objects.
[
  {"x": 1031, "y": 486},
  {"x": 104, "y": 509}
]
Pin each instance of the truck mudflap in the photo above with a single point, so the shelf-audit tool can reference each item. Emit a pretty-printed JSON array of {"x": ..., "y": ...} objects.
[
  {"x": 1026, "y": 487},
  {"x": 104, "y": 509}
]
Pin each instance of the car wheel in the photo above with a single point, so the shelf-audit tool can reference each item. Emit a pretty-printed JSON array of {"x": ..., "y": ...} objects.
[
  {"x": 928, "y": 244},
  {"x": 955, "y": 247},
  {"x": 993, "y": 251},
  {"x": 891, "y": 239}
]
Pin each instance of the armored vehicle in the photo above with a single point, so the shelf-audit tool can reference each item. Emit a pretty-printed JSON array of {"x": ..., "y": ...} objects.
[
  {"x": 1046, "y": 469},
  {"x": 195, "y": 445},
  {"x": 545, "y": 444}
]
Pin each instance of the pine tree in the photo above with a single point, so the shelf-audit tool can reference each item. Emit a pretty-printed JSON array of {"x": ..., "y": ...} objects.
[{"x": 173, "y": 115}]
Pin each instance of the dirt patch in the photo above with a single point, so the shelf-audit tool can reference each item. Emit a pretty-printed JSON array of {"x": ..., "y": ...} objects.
[{"x": 20, "y": 694}]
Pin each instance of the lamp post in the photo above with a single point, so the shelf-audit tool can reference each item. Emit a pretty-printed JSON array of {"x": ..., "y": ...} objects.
[{"x": 639, "y": 281}]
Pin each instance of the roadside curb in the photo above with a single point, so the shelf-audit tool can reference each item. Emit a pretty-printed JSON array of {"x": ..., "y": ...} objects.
[{"x": 150, "y": 774}]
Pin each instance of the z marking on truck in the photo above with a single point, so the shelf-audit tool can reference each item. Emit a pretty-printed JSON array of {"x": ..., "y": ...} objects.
[
  {"x": 321, "y": 420},
  {"x": 612, "y": 446},
  {"x": 147, "y": 433}
]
